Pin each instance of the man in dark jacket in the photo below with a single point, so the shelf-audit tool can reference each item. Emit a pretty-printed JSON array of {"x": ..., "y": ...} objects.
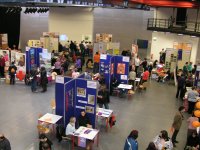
[
  {"x": 12, "y": 71},
  {"x": 103, "y": 97},
  {"x": 44, "y": 79},
  {"x": 33, "y": 78},
  {"x": 181, "y": 87},
  {"x": 4, "y": 143}
]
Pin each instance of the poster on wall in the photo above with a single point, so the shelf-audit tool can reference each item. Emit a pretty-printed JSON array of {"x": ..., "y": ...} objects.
[
  {"x": 32, "y": 58},
  {"x": 112, "y": 69},
  {"x": 5, "y": 54},
  {"x": 120, "y": 68},
  {"x": 81, "y": 92},
  {"x": 87, "y": 38}
]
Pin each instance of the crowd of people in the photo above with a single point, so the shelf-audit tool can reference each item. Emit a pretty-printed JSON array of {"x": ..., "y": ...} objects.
[{"x": 71, "y": 61}]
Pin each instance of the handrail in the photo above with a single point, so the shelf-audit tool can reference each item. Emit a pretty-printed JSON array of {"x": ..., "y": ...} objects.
[{"x": 173, "y": 26}]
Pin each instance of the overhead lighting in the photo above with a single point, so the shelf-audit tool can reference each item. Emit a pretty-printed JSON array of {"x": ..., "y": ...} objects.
[
  {"x": 180, "y": 34},
  {"x": 155, "y": 31}
]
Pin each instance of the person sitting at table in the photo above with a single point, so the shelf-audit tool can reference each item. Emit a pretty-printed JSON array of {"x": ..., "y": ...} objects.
[
  {"x": 103, "y": 97},
  {"x": 114, "y": 85},
  {"x": 70, "y": 128},
  {"x": 83, "y": 120}
]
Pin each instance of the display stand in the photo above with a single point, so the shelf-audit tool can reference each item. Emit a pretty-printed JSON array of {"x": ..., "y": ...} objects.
[
  {"x": 74, "y": 95},
  {"x": 197, "y": 77},
  {"x": 121, "y": 69},
  {"x": 171, "y": 59},
  {"x": 114, "y": 67},
  {"x": 60, "y": 95}
]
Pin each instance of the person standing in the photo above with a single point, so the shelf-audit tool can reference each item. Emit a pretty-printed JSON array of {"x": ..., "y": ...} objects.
[
  {"x": 33, "y": 78},
  {"x": 103, "y": 97},
  {"x": 4, "y": 143},
  {"x": 132, "y": 77},
  {"x": 44, "y": 79},
  {"x": 96, "y": 63},
  {"x": 2, "y": 65},
  {"x": 192, "y": 95},
  {"x": 131, "y": 142},
  {"x": 12, "y": 71},
  {"x": 137, "y": 64},
  {"x": 185, "y": 68},
  {"x": 57, "y": 66},
  {"x": 180, "y": 87},
  {"x": 190, "y": 67},
  {"x": 176, "y": 125},
  {"x": 144, "y": 64}
]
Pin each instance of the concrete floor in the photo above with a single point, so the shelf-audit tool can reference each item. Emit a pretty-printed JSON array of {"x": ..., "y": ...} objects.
[{"x": 148, "y": 112}]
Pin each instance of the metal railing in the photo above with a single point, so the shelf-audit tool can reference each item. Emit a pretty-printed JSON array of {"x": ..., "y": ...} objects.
[{"x": 172, "y": 26}]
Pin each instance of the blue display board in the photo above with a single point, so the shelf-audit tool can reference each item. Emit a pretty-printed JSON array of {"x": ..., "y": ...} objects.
[
  {"x": 86, "y": 95},
  {"x": 32, "y": 58},
  {"x": 121, "y": 69},
  {"x": 197, "y": 77},
  {"x": 74, "y": 95},
  {"x": 60, "y": 94},
  {"x": 69, "y": 99},
  {"x": 104, "y": 65}
]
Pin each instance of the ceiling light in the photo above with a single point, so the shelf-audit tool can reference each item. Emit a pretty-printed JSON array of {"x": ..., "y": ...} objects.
[{"x": 180, "y": 34}]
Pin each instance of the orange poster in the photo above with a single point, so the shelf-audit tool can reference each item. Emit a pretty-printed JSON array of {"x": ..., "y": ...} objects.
[{"x": 120, "y": 68}]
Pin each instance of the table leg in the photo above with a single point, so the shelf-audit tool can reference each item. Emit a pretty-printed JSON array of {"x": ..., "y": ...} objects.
[
  {"x": 98, "y": 139},
  {"x": 72, "y": 142}
]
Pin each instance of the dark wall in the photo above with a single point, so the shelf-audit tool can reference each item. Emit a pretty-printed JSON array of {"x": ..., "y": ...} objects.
[{"x": 10, "y": 24}]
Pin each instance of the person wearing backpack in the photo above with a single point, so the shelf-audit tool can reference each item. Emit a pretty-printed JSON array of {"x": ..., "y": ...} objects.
[
  {"x": 12, "y": 71},
  {"x": 131, "y": 142}
]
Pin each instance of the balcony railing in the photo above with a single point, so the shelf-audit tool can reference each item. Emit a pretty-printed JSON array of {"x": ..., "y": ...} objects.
[{"x": 168, "y": 25}]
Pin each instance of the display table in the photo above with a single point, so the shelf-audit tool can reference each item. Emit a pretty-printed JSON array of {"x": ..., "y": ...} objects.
[
  {"x": 125, "y": 86},
  {"x": 50, "y": 118},
  {"x": 104, "y": 113},
  {"x": 87, "y": 133}
]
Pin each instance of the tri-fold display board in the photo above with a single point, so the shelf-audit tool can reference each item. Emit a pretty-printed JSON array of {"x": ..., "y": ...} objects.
[
  {"x": 37, "y": 57},
  {"x": 75, "y": 95},
  {"x": 114, "y": 67}
]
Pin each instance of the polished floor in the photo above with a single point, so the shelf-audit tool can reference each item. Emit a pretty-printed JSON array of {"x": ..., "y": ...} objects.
[{"x": 149, "y": 112}]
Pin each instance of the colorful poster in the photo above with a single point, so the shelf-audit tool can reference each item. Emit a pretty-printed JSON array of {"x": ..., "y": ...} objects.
[
  {"x": 45, "y": 60},
  {"x": 112, "y": 69},
  {"x": 120, "y": 68},
  {"x": 89, "y": 109},
  {"x": 91, "y": 99},
  {"x": 81, "y": 92}
]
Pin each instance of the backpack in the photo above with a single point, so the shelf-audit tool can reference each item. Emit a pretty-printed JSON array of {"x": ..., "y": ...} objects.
[{"x": 12, "y": 70}]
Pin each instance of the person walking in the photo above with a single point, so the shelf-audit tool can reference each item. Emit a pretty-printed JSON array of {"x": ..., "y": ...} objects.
[
  {"x": 103, "y": 97},
  {"x": 192, "y": 95},
  {"x": 4, "y": 143},
  {"x": 96, "y": 63},
  {"x": 131, "y": 142},
  {"x": 176, "y": 125},
  {"x": 12, "y": 71},
  {"x": 180, "y": 87},
  {"x": 44, "y": 79},
  {"x": 132, "y": 77}
]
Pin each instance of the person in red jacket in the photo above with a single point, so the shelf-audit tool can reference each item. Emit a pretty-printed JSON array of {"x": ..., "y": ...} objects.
[
  {"x": 2, "y": 65},
  {"x": 145, "y": 75}
]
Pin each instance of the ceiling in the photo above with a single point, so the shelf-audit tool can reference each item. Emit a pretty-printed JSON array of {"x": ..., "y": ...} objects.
[
  {"x": 110, "y": 3},
  {"x": 169, "y": 3}
]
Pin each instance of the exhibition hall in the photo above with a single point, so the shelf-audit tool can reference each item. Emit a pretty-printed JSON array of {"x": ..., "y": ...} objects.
[{"x": 99, "y": 75}]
